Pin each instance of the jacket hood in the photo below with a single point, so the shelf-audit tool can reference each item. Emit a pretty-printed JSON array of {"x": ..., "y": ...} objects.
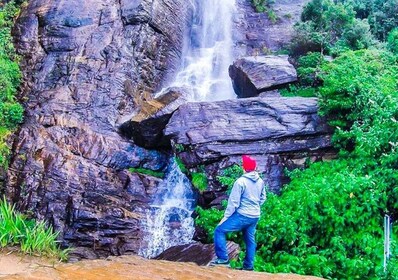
[{"x": 253, "y": 176}]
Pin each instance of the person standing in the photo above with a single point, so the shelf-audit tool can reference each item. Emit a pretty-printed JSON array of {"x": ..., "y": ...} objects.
[{"x": 242, "y": 214}]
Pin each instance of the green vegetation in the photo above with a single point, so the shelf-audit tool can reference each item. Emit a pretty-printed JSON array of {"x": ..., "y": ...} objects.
[
  {"x": 330, "y": 27},
  {"x": 199, "y": 181},
  {"x": 328, "y": 221},
  {"x": 393, "y": 41},
  {"x": 149, "y": 172},
  {"x": 11, "y": 112},
  {"x": 208, "y": 219},
  {"x": 264, "y": 6},
  {"x": 381, "y": 15},
  {"x": 181, "y": 165},
  {"x": 229, "y": 175},
  {"x": 32, "y": 237}
]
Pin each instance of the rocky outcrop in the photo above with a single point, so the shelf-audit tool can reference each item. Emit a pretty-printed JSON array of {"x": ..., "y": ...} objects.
[
  {"x": 201, "y": 254},
  {"x": 256, "y": 33},
  {"x": 83, "y": 63},
  {"x": 146, "y": 127},
  {"x": 277, "y": 132},
  {"x": 256, "y": 74}
]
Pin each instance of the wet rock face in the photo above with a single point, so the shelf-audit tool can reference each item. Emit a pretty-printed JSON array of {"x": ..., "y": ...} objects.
[
  {"x": 256, "y": 74},
  {"x": 278, "y": 132},
  {"x": 256, "y": 34},
  {"x": 146, "y": 127},
  {"x": 83, "y": 63}
]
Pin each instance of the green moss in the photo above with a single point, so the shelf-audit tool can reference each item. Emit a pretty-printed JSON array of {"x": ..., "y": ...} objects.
[
  {"x": 179, "y": 148},
  {"x": 149, "y": 172},
  {"x": 181, "y": 165},
  {"x": 199, "y": 181}
]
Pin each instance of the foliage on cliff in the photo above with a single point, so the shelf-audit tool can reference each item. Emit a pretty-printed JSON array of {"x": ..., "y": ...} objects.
[
  {"x": 11, "y": 112},
  {"x": 265, "y": 6}
]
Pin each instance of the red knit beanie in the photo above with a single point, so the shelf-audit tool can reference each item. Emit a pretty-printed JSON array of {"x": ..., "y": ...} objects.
[{"x": 249, "y": 164}]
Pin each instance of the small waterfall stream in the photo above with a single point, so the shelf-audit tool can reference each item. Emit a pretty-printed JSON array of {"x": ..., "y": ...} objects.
[
  {"x": 206, "y": 57},
  {"x": 168, "y": 220}
]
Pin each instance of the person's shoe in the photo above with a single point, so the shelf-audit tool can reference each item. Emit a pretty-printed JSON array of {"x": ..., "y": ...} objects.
[
  {"x": 245, "y": 268},
  {"x": 219, "y": 262}
]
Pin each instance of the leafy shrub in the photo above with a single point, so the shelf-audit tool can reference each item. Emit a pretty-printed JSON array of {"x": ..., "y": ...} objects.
[
  {"x": 264, "y": 6},
  {"x": 208, "y": 219},
  {"x": 309, "y": 67},
  {"x": 11, "y": 112},
  {"x": 199, "y": 181},
  {"x": 393, "y": 41},
  {"x": 229, "y": 175},
  {"x": 294, "y": 91},
  {"x": 359, "y": 96},
  {"x": 330, "y": 27},
  {"x": 32, "y": 237}
]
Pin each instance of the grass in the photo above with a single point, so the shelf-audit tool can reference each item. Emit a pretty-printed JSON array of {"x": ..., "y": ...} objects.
[
  {"x": 31, "y": 236},
  {"x": 149, "y": 172}
]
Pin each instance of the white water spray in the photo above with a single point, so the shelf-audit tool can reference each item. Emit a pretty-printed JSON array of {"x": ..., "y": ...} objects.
[
  {"x": 208, "y": 52},
  {"x": 168, "y": 221}
]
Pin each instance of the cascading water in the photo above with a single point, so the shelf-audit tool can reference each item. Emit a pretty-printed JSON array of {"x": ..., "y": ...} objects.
[
  {"x": 168, "y": 220},
  {"x": 208, "y": 52},
  {"x": 206, "y": 57}
]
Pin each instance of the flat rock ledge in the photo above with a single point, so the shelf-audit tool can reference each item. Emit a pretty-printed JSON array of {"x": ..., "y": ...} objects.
[{"x": 210, "y": 131}]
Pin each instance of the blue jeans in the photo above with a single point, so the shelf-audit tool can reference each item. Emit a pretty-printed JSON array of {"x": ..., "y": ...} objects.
[{"x": 237, "y": 222}]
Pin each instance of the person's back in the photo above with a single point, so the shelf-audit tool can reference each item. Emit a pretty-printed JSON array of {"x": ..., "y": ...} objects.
[{"x": 251, "y": 198}]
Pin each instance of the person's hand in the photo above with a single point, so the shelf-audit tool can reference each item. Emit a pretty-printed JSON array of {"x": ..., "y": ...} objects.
[{"x": 222, "y": 220}]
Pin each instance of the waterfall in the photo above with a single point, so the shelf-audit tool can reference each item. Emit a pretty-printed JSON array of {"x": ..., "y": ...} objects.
[
  {"x": 168, "y": 220},
  {"x": 208, "y": 52},
  {"x": 206, "y": 58}
]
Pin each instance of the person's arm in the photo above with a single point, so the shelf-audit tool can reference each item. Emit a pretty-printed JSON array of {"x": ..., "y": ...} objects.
[
  {"x": 263, "y": 196},
  {"x": 233, "y": 200}
]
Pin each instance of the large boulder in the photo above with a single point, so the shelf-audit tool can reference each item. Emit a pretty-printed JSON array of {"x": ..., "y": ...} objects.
[
  {"x": 146, "y": 127},
  {"x": 278, "y": 132},
  {"x": 256, "y": 74},
  {"x": 201, "y": 254},
  {"x": 83, "y": 62}
]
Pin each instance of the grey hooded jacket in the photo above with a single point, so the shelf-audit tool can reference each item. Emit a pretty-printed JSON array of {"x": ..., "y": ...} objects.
[{"x": 247, "y": 195}]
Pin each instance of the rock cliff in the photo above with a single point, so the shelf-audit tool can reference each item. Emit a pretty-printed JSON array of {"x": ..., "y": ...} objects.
[
  {"x": 256, "y": 34},
  {"x": 83, "y": 64}
]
